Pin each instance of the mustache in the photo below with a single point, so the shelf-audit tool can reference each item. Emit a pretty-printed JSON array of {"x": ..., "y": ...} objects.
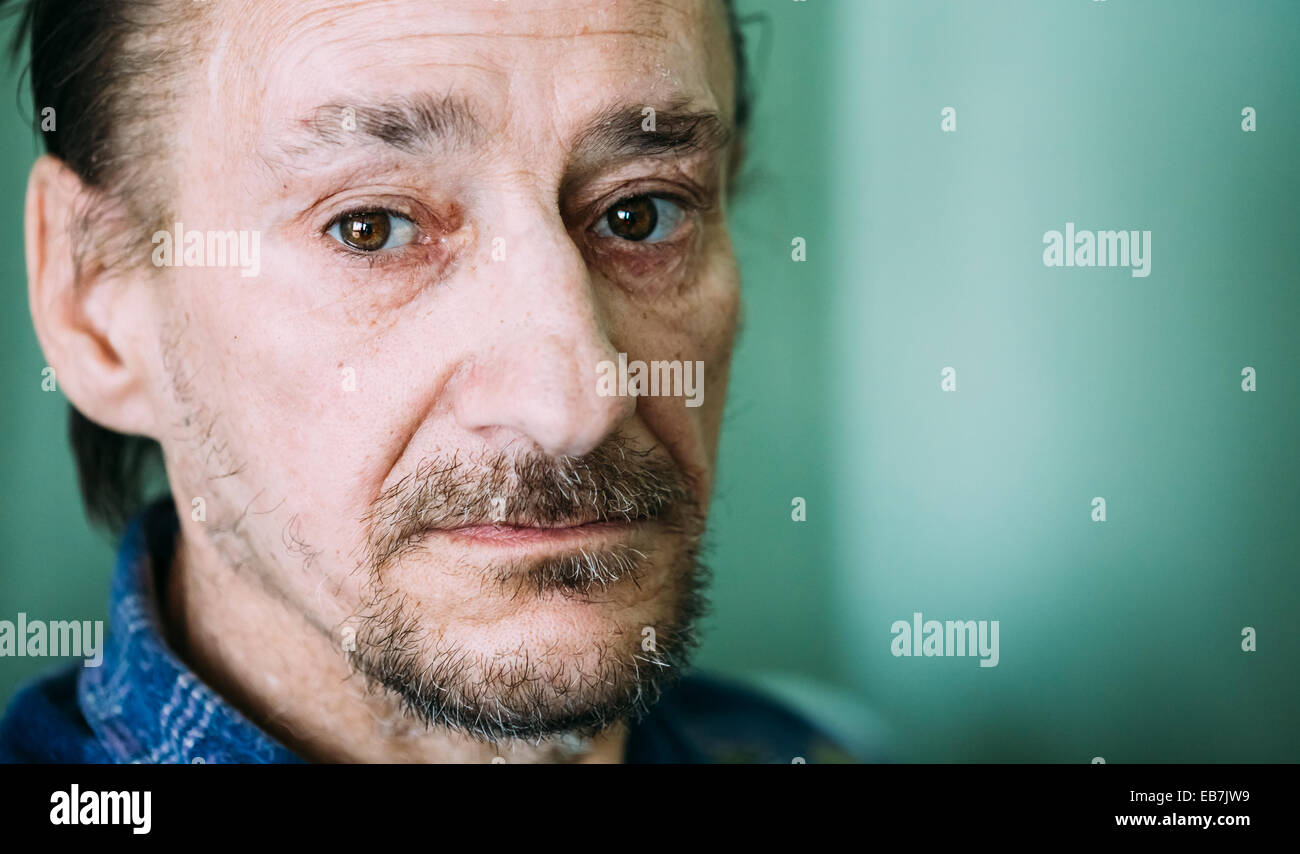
[{"x": 616, "y": 482}]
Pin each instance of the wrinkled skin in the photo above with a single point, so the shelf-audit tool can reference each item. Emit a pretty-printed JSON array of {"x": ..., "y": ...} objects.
[{"x": 302, "y": 405}]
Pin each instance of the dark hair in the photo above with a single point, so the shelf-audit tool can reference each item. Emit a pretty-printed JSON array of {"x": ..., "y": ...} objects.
[
  {"x": 743, "y": 104},
  {"x": 88, "y": 61}
]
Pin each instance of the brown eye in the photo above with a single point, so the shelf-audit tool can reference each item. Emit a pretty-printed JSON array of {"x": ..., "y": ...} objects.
[
  {"x": 370, "y": 231},
  {"x": 633, "y": 219},
  {"x": 642, "y": 219}
]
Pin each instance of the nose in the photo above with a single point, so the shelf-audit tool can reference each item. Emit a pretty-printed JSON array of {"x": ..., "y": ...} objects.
[{"x": 534, "y": 376}]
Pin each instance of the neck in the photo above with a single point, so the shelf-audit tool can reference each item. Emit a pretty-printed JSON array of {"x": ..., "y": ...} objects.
[{"x": 285, "y": 674}]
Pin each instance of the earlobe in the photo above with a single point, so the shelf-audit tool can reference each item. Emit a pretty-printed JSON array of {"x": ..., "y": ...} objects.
[{"x": 87, "y": 316}]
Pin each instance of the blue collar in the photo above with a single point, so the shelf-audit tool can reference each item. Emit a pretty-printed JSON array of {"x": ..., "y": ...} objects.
[{"x": 143, "y": 703}]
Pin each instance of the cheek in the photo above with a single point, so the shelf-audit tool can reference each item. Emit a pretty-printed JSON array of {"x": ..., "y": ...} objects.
[
  {"x": 713, "y": 326},
  {"x": 293, "y": 406},
  {"x": 699, "y": 326}
]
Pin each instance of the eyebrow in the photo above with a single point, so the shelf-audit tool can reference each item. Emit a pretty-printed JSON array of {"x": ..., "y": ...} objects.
[
  {"x": 409, "y": 125},
  {"x": 425, "y": 123},
  {"x": 625, "y": 131}
]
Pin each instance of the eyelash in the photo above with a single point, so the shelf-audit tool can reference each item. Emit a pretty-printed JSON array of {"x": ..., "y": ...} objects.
[
  {"x": 376, "y": 257},
  {"x": 380, "y": 257},
  {"x": 688, "y": 209}
]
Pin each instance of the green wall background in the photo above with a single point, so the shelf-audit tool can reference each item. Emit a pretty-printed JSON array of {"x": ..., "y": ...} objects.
[
  {"x": 1119, "y": 639},
  {"x": 53, "y": 565}
]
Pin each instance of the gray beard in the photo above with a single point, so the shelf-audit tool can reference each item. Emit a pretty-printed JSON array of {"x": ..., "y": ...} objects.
[{"x": 535, "y": 698}]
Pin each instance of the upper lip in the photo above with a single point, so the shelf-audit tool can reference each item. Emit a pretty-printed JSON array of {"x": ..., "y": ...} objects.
[{"x": 534, "y": 523}]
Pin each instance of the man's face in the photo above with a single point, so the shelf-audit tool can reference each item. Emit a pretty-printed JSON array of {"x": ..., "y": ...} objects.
[{"x": 396, "y": 426}]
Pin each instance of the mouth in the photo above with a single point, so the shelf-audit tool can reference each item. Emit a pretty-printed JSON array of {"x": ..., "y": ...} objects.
[{"x": 508, "y": 535}]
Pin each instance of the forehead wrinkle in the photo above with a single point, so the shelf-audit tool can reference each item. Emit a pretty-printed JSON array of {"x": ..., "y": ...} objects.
[
  {"x": 297, "y": 37},
  {"x": 307, "y": 32},
  {"x": 284, "y": 23},
  {"x": 300, "y": 40}
]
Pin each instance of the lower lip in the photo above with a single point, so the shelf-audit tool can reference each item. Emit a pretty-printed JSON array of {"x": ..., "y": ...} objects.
[{"x": 511, "y": 536}]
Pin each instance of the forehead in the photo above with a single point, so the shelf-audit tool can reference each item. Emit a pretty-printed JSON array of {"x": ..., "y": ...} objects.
[{"x": 533, "y": 61}]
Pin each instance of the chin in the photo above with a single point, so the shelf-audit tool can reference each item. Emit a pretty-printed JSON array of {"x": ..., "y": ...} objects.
[{"x": 532, "y": 649}]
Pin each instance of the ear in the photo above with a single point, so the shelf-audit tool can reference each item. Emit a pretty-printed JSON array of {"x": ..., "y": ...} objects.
[{"x": 89, "y": 319}]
